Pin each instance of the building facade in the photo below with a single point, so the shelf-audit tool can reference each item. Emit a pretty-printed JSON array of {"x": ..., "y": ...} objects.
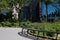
[{"x": 32, "y": 12}]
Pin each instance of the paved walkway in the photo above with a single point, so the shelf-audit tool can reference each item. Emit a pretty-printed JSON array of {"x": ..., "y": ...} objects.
[{"x": 11, "y": 34}]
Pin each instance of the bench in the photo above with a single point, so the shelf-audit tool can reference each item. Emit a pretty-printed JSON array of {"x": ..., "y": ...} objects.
[{"x": 37, "y": 35}]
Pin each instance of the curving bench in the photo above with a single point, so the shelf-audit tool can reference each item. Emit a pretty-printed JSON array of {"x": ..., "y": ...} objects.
[{"x": 37, "y": 35}]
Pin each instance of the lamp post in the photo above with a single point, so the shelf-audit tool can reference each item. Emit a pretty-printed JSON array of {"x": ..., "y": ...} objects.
[
  {"x": 19, "y": 11},
  {"x": 19, "y": 16}
]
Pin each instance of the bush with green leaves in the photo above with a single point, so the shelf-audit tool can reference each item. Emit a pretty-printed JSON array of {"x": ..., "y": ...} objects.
[
  {"x": 9, "y": 24},
  {"x": 6, "y": 24}
]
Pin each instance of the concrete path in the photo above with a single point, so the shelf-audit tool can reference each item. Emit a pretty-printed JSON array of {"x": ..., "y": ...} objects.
[{"x": 11, "y": 34}]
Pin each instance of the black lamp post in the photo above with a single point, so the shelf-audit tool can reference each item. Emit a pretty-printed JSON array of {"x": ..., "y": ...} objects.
[
  {"x": 19, "y": 16},
  {"x": 19, "y": 11}
]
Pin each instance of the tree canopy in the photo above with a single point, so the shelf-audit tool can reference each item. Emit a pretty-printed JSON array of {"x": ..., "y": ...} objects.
[{"x": 9, "y": 3}]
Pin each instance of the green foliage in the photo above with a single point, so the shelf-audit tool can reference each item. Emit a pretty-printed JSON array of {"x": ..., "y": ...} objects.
[
  {"x": 3, "y": 4},
  {"x": 25, "y": 23},
  {"x": 8, "y": 24},
  {"x": 46, "y": 26},
  {"x": 42, "y": 26},
  {"x": 9, "y": 3}
]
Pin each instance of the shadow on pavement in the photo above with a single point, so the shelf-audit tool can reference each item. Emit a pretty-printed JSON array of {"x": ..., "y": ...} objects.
[{"x": 29, "y": 36}]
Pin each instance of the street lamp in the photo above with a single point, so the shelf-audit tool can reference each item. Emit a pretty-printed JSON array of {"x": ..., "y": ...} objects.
[{"x": 19, "y": 11}]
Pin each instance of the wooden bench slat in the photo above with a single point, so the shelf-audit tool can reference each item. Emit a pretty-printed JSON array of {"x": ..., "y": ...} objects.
[{"x": 42, "y": 31}]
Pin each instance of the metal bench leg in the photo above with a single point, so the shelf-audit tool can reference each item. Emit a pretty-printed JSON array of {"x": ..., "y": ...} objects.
[
  {"x": 27, "y": 32},
  {"x": 22, "y": 30},
  {"x": 57, "y": 37},
  {"x": 37, "y": 35}
]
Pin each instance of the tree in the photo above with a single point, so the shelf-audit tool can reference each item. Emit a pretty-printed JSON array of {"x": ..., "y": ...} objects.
[
  {"x": 47, "y": 2},
  {"x": 3, "y": 4}
]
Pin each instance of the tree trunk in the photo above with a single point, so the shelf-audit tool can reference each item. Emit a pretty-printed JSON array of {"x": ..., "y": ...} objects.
[
  {"x": 40, "y": 11},
  {"x": 46, "y": 12}
]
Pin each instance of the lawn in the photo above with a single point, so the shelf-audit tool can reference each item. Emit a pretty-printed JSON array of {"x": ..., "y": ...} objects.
[{"x": 55, "y": 26}]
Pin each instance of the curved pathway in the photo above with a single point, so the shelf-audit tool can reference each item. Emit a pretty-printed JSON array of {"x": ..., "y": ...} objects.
[{"x": 11, "y": 34}]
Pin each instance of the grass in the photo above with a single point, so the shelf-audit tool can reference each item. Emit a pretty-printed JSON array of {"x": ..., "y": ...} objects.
[
  {"x": 8, "y": 24},
  {"x": 42, "y": 26},
  {"x": 48, "y": 26}
]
